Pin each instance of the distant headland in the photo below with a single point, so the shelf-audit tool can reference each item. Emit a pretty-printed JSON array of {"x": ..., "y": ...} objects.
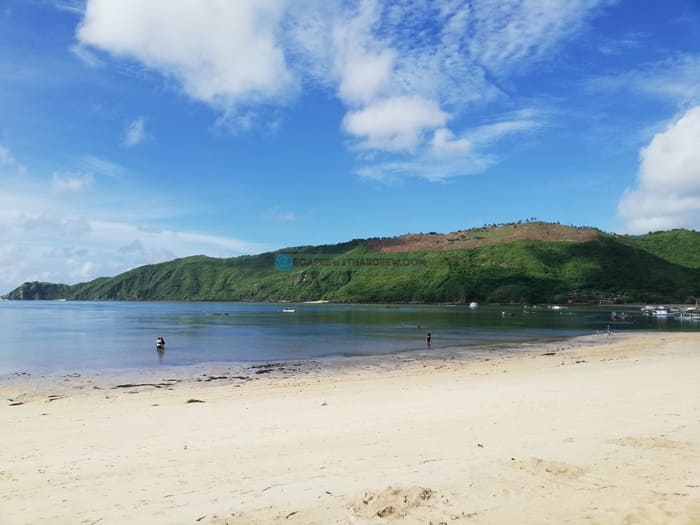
[{"x": 523, "y": 262}]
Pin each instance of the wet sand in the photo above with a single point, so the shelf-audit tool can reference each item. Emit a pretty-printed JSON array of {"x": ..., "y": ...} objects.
[{"x": 597, "y": 430}]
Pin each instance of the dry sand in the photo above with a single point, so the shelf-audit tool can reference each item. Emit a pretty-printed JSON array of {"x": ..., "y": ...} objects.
[{"x": 605, "y": 433}]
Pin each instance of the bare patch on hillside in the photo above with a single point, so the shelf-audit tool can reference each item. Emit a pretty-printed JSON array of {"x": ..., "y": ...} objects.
[{"x": 486, "y": 236}]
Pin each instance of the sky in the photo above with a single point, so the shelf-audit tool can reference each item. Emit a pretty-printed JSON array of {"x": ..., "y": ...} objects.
[{"x": 137, "y": 131}]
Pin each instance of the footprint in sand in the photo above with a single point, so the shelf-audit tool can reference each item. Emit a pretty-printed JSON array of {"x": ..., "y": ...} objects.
[
  {"x": 552, "y": 469},
  {"x": 392, "y": 502}
]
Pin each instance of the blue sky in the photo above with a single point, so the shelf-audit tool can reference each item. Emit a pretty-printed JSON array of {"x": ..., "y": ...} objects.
[{"x": 137, "y": 131}]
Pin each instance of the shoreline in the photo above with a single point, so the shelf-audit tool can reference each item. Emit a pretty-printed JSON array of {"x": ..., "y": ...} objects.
[
  {"x": 594, "y": 430},
  {"x": 72, "y": 382},
  {"x": 123, "y": 346}
]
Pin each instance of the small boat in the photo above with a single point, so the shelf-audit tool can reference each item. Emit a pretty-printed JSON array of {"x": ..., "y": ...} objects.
[
  {"x": 473, "y": 305},
  {"x": 288, "y": 310},
  {"x": 663, "y": 311},
  {"x": 689, "y": 314}
]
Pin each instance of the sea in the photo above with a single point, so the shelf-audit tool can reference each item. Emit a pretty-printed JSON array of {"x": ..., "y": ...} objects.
[{"x": 53, "y": 337}]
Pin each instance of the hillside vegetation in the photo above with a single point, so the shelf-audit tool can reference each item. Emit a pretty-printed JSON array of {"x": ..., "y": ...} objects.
[{"x": 530, "y": 262}]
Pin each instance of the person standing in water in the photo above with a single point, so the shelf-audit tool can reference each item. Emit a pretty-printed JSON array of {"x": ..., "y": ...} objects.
[{"x": 428, "y": 337}]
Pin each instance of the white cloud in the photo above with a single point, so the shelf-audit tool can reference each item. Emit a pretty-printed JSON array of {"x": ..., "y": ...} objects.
[
  {"x": 72, "y": 6},
  {"x": 65, "y": 252},
  {"x": 8, "y": 162},
  {"x": 394, "y": 124},
  {"x": 224, "y": 54},
  {"x": 668, "y": 182},
  {"x": 522, "y": 121},
  {"x": 86, "y": 56},
  {"x": 14, "y": 262},
  {"x": 84, "y": 272},
  {"x": 45, "y": 237},
  {"x": 135, "y": 132},
  {"x": 622, "y": 45},
  {"x": 509, "y": 34},
  {"x": 363, "y": 63},
  {"x": 445, "y": 143},
  {"x": 366, "y": 76},
  {"x": 448, "y": 156},
  {"x": 93, "y": 164},
  {"x": 71, "y": 182},
  {"x": 406, "y": 70},
  {"x": 51, "y": 224},
  {"x": 61, "y": 248},
  {"x": 133, "y": 247},
  {"x": 427, "y": 167},
  {"x": 236, "y": 121},
  {"x": 365, "y": 48},
  {"x": 181, "y": 242},
  {"x": 675, "y": 78},
  {"x": 402, "y": 70}
]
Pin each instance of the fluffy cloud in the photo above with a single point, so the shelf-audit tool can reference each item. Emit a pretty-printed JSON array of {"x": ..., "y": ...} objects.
[
  {"x": 387, "y": 48},
  {"x": 135, "y": 132},
  {"x": 445, "y": 143},
  {"x": 450, "y": 156},
  {"x": 394, "y": 124},
  {"x": 224, "y": 54},
  {"x": 406, "y": 72},
  {"x": 365, "y": 76},
  {"x": 668, "y": 182}
]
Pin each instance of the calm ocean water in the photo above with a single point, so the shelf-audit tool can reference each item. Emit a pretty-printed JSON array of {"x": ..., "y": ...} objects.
[{"x": 55, "y": 336}]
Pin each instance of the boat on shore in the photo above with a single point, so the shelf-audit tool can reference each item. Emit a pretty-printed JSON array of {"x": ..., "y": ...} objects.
[
  {"x": 660, "y": 311},
  {"x": 689, "y": 314},
  {"x": 663, "y": 312}
]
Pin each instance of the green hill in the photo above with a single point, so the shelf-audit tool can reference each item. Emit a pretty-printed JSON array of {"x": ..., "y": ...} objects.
[
  {"x": 677, "y": 246},
  {"x": 531, "y": 262}
]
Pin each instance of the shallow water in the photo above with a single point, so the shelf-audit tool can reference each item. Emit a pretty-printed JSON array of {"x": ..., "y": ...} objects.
[{"x": 55, "y": 336}]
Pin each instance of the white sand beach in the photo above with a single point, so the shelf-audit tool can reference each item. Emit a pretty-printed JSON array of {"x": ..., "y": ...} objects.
[{"x": 606, "y": 432}]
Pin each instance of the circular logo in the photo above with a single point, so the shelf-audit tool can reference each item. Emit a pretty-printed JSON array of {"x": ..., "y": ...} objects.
[{"x": 284, "y": 262}]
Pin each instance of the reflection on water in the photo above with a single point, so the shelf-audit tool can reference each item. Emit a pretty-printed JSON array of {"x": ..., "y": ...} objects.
[{"x": 53, "y": 336}]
